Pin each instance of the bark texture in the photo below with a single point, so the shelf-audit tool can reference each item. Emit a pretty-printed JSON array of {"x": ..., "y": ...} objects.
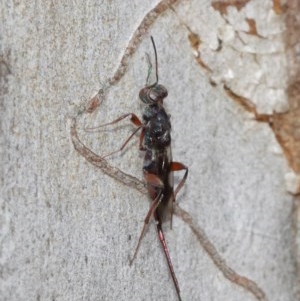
[{"x": 67, "y": 230}]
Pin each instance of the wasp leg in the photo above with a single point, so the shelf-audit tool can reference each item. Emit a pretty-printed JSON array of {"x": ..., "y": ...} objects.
[
  {"x": 177, "y": 166},
  {"x": 134, "y": 119},
  {"x": 124, "y": 144},
  {"x": 154, "y": 205},
  {"x": 162, "y": 240}
]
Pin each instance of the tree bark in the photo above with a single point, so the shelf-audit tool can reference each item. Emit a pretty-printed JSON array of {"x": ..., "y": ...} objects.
[{"x": 67, "y": 229}]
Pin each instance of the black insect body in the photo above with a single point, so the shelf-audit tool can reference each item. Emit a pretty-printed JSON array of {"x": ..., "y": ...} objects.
[
  {"x": 158, "y": 167},
  {"x": 157, "y": 144}
]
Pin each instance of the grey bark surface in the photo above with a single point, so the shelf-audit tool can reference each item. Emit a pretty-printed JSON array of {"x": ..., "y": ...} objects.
[{"x": 67, "y": 230}]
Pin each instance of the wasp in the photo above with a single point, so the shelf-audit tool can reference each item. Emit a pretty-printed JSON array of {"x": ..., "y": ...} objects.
[{"x": 158, "y": 166}]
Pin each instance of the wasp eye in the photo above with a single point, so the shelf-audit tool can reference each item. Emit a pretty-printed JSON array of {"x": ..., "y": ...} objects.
[
  {"x": 162, "y": 92},
  {"x": 153, "y": 95}
]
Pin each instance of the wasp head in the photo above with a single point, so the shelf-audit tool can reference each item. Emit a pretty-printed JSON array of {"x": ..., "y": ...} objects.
[{"x": 153, "y": 94}]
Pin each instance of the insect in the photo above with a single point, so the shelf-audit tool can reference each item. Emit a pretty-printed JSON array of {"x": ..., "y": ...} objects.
[{"x": 158, "y": 167}]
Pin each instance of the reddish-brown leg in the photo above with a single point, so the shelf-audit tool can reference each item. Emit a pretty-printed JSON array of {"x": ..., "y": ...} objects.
[
  {"x": 134, "y": 119},
  {"x": 177, "y": 166},
  {"x": 154, "y": 205},
  {"x": 124, "y": 144},
  {"x": 155, "y": 181},
  {"x": 162, "y": 240}
]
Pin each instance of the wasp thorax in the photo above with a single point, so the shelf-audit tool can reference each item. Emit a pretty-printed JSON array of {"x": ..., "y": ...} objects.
[{"x": 153, "y": 94}]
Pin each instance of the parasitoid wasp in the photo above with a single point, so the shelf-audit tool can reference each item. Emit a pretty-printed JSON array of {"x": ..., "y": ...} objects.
[{"x": 158, "y": 167}]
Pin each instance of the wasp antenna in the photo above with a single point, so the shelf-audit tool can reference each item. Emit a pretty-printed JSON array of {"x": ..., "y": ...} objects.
[{"x": 156, "y": 67}]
